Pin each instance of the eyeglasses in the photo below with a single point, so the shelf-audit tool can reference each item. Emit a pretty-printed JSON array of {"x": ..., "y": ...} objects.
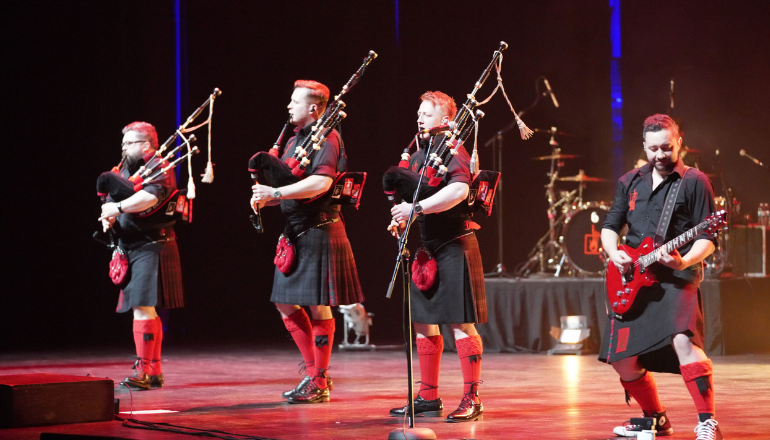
[{"x": 123, "y": 144}]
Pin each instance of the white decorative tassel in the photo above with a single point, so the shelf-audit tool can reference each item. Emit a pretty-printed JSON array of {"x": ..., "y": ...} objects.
[
  {"x": 208, "y": 177},
  {"x": 190, "y": 188}
]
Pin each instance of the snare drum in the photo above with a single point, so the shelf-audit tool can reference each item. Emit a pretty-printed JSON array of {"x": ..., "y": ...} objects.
[{"x": 581, "y": 238}]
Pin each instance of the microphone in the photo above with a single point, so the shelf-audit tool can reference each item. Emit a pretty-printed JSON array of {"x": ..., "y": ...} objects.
[
  {"x": 550, "y": 92},
  {"x": 449, "y": 126},
  {"x": 671, "y": 95},
  {"x": 753, "y": 159}
]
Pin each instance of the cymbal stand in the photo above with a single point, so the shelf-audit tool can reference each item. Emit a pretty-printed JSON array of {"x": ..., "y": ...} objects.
[{"x": 548, "y": 249}]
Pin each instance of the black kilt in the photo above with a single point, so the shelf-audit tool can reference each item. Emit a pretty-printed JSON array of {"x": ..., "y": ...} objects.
[
  {"x": 325, "y": 272},
  {"x": 663, "y": 311},
  {"x": 458, "y": 295},
  {"x": 154, "y": 278}
]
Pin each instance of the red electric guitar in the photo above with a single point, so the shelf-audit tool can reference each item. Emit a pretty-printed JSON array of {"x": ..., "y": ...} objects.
[{"x": 623, "y": 287}]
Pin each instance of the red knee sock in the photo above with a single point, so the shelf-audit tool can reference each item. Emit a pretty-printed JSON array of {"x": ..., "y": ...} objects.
[
  {"x": 429, "y": 351},
  {"x": 144, "y": 339},
  {"x": 323, "y": 339},
  {"x": 158, "y": 342},
  {"x": 698, "y": 378},
  {"x": 298, "y": 324},
  {"x": 645, "y": 391},
  {"x": 469, "y": 350}
]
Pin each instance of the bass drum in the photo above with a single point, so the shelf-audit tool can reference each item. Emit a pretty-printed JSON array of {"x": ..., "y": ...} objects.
[{"x": 581, "y": 238}]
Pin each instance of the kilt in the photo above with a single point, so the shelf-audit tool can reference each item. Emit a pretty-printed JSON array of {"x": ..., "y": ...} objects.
[
  {"x": 647, "y": 330},
  {"x": 325, "y": 272},
  {"x": 154, "y": 278},
  {"x": 458, "y": 295}
]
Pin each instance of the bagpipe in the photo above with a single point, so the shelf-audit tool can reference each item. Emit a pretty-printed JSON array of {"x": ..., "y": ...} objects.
[
  {"x": 178, "y": 205},
  {"x": 402, "y": 182},
  {"x": 267, "y": 167}
]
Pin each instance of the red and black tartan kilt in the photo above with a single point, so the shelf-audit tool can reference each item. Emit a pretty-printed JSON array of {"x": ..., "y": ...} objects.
[
  {"x": 647, "y": 330},
  {"x": 154, "y": 278},
  {"x": 458, "y": 295},
  {"x": 325, "y": 271}
]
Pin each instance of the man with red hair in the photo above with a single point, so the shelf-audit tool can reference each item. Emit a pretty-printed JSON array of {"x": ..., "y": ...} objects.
[
  {"x": 155, "y": 277},
  {"x": 457, "y": 296},
  {"x": 664, "y": 329},
  {"x": 325, "y": 273}
]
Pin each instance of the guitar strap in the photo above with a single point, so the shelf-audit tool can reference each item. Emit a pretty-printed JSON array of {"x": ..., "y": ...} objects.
[{"x": 668, "y": 210}]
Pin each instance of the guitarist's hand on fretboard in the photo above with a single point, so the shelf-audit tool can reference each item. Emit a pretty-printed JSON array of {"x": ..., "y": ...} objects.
[{"x": 673, "y": 260}]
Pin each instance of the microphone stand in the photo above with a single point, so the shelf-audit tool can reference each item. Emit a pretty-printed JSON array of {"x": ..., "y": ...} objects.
[
  {"x": 496, "y": 142},
  {"x": 403, "y": 261}
]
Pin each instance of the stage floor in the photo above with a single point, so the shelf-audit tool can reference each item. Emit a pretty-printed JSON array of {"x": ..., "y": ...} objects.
[{"x": 525, "y": 396}]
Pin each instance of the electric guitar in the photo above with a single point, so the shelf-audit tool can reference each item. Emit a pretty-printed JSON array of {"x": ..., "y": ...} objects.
[{"x": 622, "y": 287}]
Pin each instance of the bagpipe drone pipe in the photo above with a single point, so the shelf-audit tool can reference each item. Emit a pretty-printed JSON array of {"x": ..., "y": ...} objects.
[
  {"x": 110, "y": 186},
  {"x": 267, "y": 168}
]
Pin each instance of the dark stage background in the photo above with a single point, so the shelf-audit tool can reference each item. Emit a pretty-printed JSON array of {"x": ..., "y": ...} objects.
[{"x": 83, "y": 70}]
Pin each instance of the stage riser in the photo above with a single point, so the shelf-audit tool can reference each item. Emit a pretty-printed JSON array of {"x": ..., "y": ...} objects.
[{"x": 523, "y": 312}]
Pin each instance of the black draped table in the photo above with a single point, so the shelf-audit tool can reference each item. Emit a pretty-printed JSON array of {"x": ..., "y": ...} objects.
[{"x": 524, "y": 313}]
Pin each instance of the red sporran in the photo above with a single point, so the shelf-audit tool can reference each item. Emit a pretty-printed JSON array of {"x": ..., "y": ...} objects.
[
  {"x": 424, "y": 269},
  {"x": 284, "y": 255},
  {"x": 118, "y": 266}
]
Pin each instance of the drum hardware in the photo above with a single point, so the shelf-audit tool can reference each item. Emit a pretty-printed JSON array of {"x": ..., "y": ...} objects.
[{"x": 558, "y": 156}]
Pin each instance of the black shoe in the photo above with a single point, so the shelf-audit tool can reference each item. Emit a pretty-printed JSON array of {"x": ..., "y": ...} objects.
[
  {"x": 139, "y": 380},
  {"x": 468, "y": 411},
  {"x": 157, "y": 380},
  {"x": 310, "y": 393},
  {"x": 662, "y": 426},
  {"x": 293, "y": 391},
  {"x": 303, "y": 382},
  {"x": 422, "y": 408}
]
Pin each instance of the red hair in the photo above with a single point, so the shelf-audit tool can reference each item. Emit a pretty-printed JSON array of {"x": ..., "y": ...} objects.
[
  {"x": 442, "y": 101},
  {"x": 146, "y": 130},
  {"x": 317, "y": 92}
]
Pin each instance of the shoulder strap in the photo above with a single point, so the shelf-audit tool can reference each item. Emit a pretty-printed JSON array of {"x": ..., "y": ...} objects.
[{"x": 668, "y": 210}]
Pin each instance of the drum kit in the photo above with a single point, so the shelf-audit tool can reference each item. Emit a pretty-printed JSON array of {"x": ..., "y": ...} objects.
[{"x": 572, "y": 245}]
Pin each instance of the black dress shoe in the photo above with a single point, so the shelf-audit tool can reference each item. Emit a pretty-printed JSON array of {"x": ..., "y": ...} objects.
[
  {"x": 422, "y": 408},
  {"x": 303, "y": 382},
  {"x": 157, "y": 380},
  {"x": 293, "y": 391},
  {"x": 139, "y": 380},
  {"x": 467, "y": 411},
  {"x": 310, "y": 393}
]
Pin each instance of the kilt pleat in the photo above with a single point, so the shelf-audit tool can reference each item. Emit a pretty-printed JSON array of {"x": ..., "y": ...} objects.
[
  {"x": 154, "y": 278},
  {"x": 458, "y": 295},
  {"x": 325, "y": 272}
]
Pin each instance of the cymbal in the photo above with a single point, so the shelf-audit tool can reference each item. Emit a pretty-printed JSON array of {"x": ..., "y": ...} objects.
[
  {"x": 581, "y": 178},
  {"x": 556, "y": 132},
  {"x": 557, "y": 156}
]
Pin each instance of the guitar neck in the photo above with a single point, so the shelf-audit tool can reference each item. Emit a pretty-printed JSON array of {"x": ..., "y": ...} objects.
[{"x": 688, "y": 236}]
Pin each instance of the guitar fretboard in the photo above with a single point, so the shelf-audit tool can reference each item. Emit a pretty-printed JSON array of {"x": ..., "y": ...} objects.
[{"x": 647, "y": 259}]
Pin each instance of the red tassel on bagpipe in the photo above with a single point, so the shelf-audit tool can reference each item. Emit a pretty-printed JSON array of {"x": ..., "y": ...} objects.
[
  {"x": 273, "y": 152},
  {"x": 430, "y": 172},
  {"x": 297, "y": 171},
  {"x": 292, "y": 162},
  {"x": 404, "y": 164}
]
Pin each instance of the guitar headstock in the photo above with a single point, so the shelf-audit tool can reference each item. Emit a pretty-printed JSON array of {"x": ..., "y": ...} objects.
[{"x": 716, "y": 221}]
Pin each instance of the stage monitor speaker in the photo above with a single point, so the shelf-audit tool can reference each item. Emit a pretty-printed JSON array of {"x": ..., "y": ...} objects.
[
  {"x": 748, "y": 250},
  {"x": 42, "y": 399}
]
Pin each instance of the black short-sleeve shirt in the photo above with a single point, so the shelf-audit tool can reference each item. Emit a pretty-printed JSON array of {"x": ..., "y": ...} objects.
[
  {"x": 161, "y": 187},
  {"x": 328, "y": 161},
  {"x": 637, "y": 205},
  {"x": 449, "y": 223}
]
